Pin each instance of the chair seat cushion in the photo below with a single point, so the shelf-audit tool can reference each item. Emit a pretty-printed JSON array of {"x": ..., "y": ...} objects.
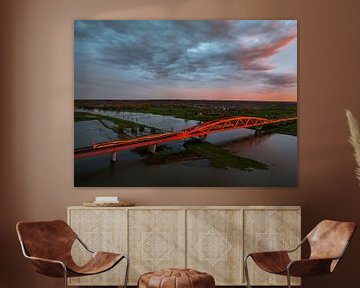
[
  {"x": 272, "y": 262},
  {"x": 99, "y": 262},
  {"x": 176, "y": 278}
]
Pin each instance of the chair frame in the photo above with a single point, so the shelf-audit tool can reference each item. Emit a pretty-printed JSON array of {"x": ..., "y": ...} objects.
[
  {"x": 288, "y": 276},
  {"x": 26, "y": 255}
]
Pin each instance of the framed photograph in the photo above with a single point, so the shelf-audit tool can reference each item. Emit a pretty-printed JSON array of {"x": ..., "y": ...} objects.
[{"x": 185, "y": 103}]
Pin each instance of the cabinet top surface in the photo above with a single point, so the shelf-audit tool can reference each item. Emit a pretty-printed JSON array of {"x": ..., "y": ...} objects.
[{"x": 192, "y": 207}]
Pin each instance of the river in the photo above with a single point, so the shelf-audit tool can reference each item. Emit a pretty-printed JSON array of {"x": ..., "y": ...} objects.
[{"x": 278, "y": 151}]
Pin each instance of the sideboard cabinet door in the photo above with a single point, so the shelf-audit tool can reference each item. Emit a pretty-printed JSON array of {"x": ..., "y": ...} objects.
[
  {"x": 270, "y": 230},
  {"x": 214, "y": 244},
  {"x": 101, "y": 230},
  {"x": 156, "y": 240}
]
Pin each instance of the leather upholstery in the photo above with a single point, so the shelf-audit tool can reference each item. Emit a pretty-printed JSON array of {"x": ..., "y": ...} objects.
[
  {"x": 272, "y": 262},
  {"x": 328, "y": 241},
  {"x": 310, "y": 267},
  {"x": 47, "y": 239},
  {"x": 53, "y": 240},
  {"x": 176, "y": 278},
  {"x": 329, "y": 238}
]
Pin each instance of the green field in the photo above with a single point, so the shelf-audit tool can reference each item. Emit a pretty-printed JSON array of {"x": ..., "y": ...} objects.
[
  {"x": 203, "y": 110},
  {"x": 195, "y": 149}
]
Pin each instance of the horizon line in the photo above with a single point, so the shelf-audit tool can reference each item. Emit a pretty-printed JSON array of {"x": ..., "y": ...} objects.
[{"x": 179, "y": 99}]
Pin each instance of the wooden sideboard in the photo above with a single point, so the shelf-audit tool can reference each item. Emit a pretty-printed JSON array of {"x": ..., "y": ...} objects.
[{"x": 211, "y": 239}]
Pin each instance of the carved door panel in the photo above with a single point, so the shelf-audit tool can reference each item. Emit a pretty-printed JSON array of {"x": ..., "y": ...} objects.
[
  {"x": 101, "y": 230},
  {"x": 156, "y": 240},
  {"x": 270, "y": 230},
  {"x": 214, "y": 244}
]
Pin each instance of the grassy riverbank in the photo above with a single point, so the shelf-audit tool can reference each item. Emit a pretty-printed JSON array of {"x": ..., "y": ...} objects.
[
  {"x": 195, "y": 149},
  {"x": 288, "y": 129}
]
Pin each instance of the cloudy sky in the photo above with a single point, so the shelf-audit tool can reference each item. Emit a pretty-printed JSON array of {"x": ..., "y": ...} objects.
[{"x": 213, "y": 60}]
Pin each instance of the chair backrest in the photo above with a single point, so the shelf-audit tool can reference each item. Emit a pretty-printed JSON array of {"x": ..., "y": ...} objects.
[
  {"x": 46, "y": 239},
  {"x": 329, "y": 239}
]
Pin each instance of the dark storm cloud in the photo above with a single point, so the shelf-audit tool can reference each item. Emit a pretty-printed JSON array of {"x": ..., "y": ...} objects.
[
  {"x": 162, "y": 48},
  {"x": 184, "y": 52}
]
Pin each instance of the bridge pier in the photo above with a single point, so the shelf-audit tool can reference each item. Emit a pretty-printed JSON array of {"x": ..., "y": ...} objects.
[
  {"x": 203, "y": 137},
  {"x": 152, "y": 149},
  {"x": 113, "y": 157},
  {"x": 259, "y": 132}
]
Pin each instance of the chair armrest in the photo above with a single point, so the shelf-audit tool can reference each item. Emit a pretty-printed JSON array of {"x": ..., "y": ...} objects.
[
  {"x": 298, "y": 246},
  {"x": 83, "y": 244},
  {"x": 309, "y": 267},
  {"x": 45, "y": 260},
  {"x": 268, "y": 253},
  {"x": 280, "y": 251}
]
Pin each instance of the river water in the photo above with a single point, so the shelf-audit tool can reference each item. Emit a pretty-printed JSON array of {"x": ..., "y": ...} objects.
[{"x": 278, "y": 151}]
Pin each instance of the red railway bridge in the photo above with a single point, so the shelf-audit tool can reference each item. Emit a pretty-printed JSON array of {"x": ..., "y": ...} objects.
[{"x": 201, "y": 130}]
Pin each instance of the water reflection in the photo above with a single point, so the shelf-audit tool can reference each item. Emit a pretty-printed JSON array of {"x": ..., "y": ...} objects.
[
  {"x": 164, "y": 123},
  {"x": 87, "y": 133}
]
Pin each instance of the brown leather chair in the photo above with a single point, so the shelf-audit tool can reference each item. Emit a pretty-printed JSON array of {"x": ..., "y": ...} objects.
[
  {"x": 328, "y": 242},
  {"x": 48, "y": 245}
]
